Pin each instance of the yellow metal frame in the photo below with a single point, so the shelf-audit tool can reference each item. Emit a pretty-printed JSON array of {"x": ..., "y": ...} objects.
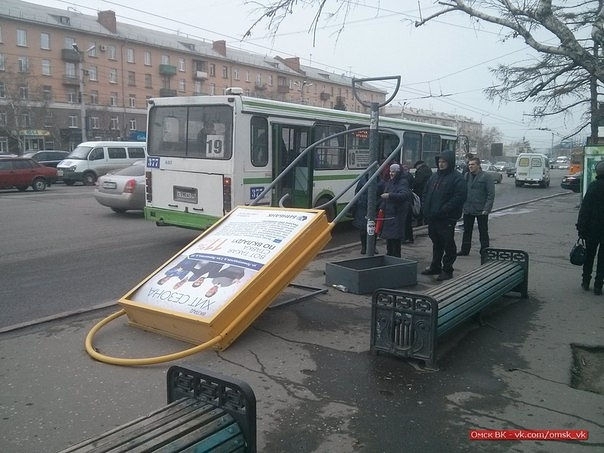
[{"x": 251, "y": 299}]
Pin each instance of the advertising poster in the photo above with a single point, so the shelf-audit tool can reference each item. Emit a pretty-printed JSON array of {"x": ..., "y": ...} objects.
[
  {"x": 593, "y": 155},
  {"x": 208, "y": 274}
]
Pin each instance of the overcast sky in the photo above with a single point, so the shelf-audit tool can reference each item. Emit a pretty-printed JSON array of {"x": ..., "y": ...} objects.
[{"x": 444, "y": 65}]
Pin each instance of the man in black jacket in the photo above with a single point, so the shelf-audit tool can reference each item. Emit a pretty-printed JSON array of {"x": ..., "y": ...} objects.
[
  {"x": 590, "y": 226},
  {"x": 444, "y": 196}
]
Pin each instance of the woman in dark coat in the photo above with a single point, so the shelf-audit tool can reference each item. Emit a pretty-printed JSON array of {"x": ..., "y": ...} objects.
[
  {"x": 395, "y": 202},
  {"x": 590, "y": 226}
]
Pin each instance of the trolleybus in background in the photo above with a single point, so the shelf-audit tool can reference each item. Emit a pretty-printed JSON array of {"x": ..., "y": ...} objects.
[{"x": 209, "y": 154}]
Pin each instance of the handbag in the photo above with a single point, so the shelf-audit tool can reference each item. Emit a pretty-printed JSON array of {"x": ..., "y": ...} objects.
[
  {"x": 577, "y": 253},
  {"x": 417, "y": 204}
]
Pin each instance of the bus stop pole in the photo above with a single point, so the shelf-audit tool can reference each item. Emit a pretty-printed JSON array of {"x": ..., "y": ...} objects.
[
  {"x": 372, "y": 189},
  {"x": 373, "y": 152}
]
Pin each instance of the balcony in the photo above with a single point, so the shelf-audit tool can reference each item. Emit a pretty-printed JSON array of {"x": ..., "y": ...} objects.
[
  {"x": 71, "y": 81},
  {"x": 324, "y": 96},
  {"x": 167, "y": 69},
  {"x": 70, "y": 55},
  {"x": 167, "y": 92},
  {"x": 260, "y": 86},
  {"x": 282, "y": 89},
  {"x": 200, "y": 75}
]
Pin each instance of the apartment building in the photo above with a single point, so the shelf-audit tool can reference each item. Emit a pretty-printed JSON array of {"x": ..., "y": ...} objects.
[{"x": 66, "y": 77}]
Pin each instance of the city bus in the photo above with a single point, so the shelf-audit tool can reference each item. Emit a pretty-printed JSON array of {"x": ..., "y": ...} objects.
[{"x": 209, "y": 154}]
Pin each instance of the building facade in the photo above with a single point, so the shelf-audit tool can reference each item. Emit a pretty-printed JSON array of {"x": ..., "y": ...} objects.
[{"x": 66, "y": 77}]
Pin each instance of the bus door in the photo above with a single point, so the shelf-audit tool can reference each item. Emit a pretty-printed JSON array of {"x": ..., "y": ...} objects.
[{"x": 288, "y": 142}]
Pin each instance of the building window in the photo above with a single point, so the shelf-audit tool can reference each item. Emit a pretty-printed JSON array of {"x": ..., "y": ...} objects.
[
  {"x": 94, "y": 97},
  {"x": 21, "y": 38},
  {"x": 212, "y": 70},
  {"x": 2, "y": 62},
  {"x": 182, "y": 85},
  {"x": 212, "y": 89},
  {"x": 111, "y": 54},
  {"x": 47, "y": 93},
  {"x": 4, "y": 144},
  {"x": 147, "y": 58},
  {"x": 72, "y": 97},
  {"x": 44, "y": 41},
  {"x": 113, "y": 99},
  {"x": 73, "y": 121},
  {"x": 182, "y": 67},
  {"x": 2, "y": 90},
  {"x": 45, "y": 67},
  {"x": 70, "y": 70},
  {"x": 114, "y": 123},
  {"x": 24, "y": 120},
  {"x": 131, "y": 78},
  {"x": 23, "y": 92},
  {"x": 132, "y": 101},
  {"x": 48, "y": 119},
  {"x": 270, "y": 80},
  {"x": 259, "y": 79},
  {"x": 92, "y": 49},
  {"x": 69, "y": 41},
  {"x": 93, "y": 73},
  {"x": 197, "y": 87},
  {"x": 148, "y": 81},
  {"x": 235, "y": 74},
  {"x": 225, "y": 72},
  {"x": 3, "y": 119},
  {"x": 247, "y": 76},
  {"x": 23, "y": 64},
  {"x": 130, "y": 55},
  {"x": 113, "y": 75},
  {"x": 93, "y": 121},
  {"x": 165, "y": 59},
  {"x": 132, "y": 124}
]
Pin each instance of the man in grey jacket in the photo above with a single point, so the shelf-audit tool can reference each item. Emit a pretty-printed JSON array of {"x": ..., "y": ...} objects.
[{"x": 478, "y": 205}]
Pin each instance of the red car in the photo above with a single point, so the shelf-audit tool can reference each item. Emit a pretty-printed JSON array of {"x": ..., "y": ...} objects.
[{"x": 22, "y": 173}]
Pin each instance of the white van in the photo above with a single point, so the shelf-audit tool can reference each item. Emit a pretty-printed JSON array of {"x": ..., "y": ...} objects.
[
  {"x": 532, "y": 168},
  {"x": 93, "y": 159}
]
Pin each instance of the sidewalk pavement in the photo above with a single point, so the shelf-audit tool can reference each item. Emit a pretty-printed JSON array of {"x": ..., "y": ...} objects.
[{"x": 319, "y": 389}]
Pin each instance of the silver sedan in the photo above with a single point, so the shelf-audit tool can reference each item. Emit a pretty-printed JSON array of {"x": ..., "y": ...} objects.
[{"x": 123, "y": 190}]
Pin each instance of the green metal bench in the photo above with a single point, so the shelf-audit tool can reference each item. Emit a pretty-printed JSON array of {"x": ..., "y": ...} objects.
[
  {"x": 206, "y": 412},
  {"x": 408, "y": 324}
]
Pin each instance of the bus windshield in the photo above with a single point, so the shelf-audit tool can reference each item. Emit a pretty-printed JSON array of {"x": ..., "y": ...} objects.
[{"x": 202, "y": 132}]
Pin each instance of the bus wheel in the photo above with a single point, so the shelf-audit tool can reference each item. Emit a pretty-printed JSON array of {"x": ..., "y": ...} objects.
[{"x": 330, "y": 211}]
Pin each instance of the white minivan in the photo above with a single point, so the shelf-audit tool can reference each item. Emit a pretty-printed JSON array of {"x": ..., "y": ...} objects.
[
  {"x": 532, "y": 168},
  {"x": 93, "y": 159}
]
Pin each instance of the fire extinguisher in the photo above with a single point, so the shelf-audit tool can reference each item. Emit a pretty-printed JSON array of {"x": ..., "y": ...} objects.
[{"x": 379, "y": 222}]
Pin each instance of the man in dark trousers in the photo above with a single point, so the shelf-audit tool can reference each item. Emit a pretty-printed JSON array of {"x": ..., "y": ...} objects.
[
  {"x": 444, "y": 196},
  {"x": 422, "y": 175},
  {"x": 478, "y": 205},
  {"x": 590, "y": 226}
]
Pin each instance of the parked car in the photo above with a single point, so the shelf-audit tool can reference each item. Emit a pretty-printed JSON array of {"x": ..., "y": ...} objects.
[
  {"x": 495, "y": 174},
  {"x": 123, "y": 190},
  {"x": 572, "y": 182},
  {"x": 21, "y": 172},
  {"x": 48, "y": 157},
  {"x": 501, "y": 166},
  {"x": 511, "y": 171}
]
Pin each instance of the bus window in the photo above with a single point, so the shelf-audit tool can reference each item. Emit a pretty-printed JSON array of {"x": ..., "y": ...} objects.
[
  {"x": 430, "y": 148},
  {"x": 259, "y": 141},
  {"x": 388, "y": 143},
  {"x": 358, "y": 148},
  {"x": 412, "y": 148},
  {"x": 197, "y": 132},
  {"x": 330, "y": 154}
]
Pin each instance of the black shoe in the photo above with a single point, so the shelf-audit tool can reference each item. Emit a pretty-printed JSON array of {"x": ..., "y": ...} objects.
[
  {"x": 585, "y": 284},
  {"x": 430, "y": 271},
  {"x": 598, "y": 288},
  {"x": 463, "y": 253},
  {"x": 444, "y": 276}
]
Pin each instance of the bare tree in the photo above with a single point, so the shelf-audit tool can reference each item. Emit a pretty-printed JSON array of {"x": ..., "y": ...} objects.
[{"x": 568, "y": 36}]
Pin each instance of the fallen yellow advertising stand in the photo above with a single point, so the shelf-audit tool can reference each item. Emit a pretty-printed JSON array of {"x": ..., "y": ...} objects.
[{"x": 213, "y": 289}]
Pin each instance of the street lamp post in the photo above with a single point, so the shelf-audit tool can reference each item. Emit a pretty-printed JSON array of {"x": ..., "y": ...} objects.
[
  {"x": 81, "y": 89},
  {"x": 551, "y": 149}
]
